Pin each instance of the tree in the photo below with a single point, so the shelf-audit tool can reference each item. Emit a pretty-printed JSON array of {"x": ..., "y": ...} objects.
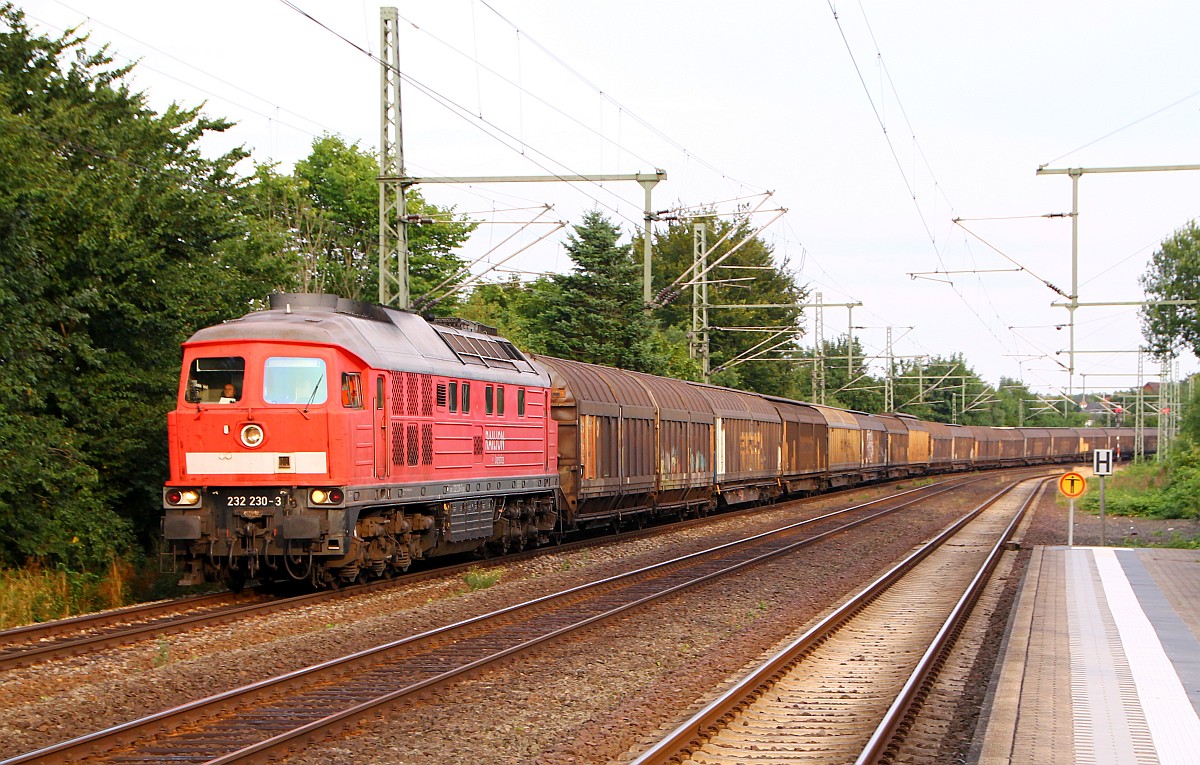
[
  {"x": 326, "y": 216},
  {"x": 594, "y": 313},
  {"x": 1174, "y": 274},
  {"x": 848, "y": 381},
  {"x": 943, "y": 390},
  {"x": 749, "y": 277},
  {"x": 117, "y": 240}
]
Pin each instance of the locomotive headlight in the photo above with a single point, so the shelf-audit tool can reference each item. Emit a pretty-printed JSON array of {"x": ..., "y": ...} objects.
[
  {"x": 252, "y": 435},
  {"x": 183, "y": 497},
  {"x": 326, "y": 496}
]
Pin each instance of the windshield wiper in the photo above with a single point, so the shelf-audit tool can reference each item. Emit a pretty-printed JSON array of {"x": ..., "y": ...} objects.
[{"x": 316, "y": 388}]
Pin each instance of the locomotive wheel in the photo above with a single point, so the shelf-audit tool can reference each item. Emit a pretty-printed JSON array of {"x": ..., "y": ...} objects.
[{"x": 236, "y": 581}]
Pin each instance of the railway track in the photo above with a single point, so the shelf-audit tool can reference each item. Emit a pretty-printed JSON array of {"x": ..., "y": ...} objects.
[
  {"x": 847, "y": 689},
  {"x": 24, "y": 646},
  {"x": 261, "y": 720},
  {"x": 81, "y": 635}
]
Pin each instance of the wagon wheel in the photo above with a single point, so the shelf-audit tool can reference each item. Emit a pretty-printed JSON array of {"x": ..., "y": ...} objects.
[{"x": 236, "y": 580}]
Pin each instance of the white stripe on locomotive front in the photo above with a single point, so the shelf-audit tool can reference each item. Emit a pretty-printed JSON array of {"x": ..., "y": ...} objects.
[{"x": 256, "y": 463}]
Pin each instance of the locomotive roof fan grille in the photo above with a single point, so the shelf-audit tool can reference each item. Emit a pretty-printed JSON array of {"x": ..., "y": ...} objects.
[{"x": 483, "y": 351}]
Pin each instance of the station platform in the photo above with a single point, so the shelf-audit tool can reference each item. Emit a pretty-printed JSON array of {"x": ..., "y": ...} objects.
[{"x": 1102, "y": 662}]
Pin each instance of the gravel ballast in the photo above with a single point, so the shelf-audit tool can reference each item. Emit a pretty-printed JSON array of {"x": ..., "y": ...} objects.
[{"x": 587, "y": 699}]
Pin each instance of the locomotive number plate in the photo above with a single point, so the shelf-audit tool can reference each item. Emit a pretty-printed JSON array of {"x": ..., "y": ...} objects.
[{"x": 252, "y": 499}]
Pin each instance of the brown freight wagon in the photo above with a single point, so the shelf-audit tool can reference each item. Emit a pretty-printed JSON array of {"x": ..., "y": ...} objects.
[
  {"x": 1091, "y": 439},
  {"x": 747, "y": 432},
  {"x": 874, "y": 446},
  {"x": 941, "y": 457},
  {"x": 683, "y": 443},
  {"x": 804, "y": 454},
  {"x": 1064, "y": 444},
  {"x": 897, "y": 445},
  {"x": 1012, "y": 446},
  {"x": 920, "y": 443},
  {"x": 845, "y": 445},
  {"x": 1037, "y": 445},
  {"x": 987, "y": 447},
  {"x": 606, "y": 422},
  {"x": 963, "y": 448}
]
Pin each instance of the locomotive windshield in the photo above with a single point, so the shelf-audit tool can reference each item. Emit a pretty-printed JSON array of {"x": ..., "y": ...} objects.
[
  {"x": 289, "y": 380},
  {"x": 208, "y": 379}
]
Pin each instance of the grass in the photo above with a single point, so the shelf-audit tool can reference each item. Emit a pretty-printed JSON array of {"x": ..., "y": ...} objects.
[
  {"x": 1151, "y": 489},
  {"x": 36, "y": 593},
  {"x": 478, "y": 579},
  {"x": 33, "y": 594}
]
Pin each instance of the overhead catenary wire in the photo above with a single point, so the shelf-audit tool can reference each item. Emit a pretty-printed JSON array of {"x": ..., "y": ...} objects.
[
  {"x": 608, "y": 96},
  {"x": 494, "y": 131},
  {"x": 899, "y": 165},
  {"x": 466, "y": 269}
]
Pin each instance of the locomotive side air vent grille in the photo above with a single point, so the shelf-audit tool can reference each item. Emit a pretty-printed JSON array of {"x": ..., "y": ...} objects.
[
  {"x": 413, "y": 399},
  {"x": 398, "y": 393},
  {"x": 397, "y": 446},
  {"x": 426, "y": 444},
  {"x": 441, "y": 395},
  {"x": 426, "y": 396},
  {"x": 414, "y": 445},
  {"x": 478, "y": 443}
]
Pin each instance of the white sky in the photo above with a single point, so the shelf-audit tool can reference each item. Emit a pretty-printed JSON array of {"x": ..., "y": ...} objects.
[{"x": 731, "y": 99}]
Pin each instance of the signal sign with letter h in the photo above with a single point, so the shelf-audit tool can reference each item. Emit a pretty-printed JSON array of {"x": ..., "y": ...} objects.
[{"x": 1102, "y": 461}]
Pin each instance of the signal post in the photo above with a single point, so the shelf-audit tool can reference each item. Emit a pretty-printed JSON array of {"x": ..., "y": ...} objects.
[
  {"x": 1071, "y": 485},
  {"x": 1102, "y": 465}
]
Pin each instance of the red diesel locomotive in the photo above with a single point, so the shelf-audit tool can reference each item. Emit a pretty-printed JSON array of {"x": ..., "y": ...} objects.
[{"x": 327, "y": 440}]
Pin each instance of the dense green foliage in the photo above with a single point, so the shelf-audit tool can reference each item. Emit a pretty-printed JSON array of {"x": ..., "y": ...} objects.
[
  {"x": 594, "y": 313},
  {"x": 1159, "y": 488},
  {"x": 1174, "y": 274},
  {"x": 1153, "y": 489},
  {"x": 324, "y": 219},
  {"x": 117, "y": 239},
  {"x": 742, "y": 273}
]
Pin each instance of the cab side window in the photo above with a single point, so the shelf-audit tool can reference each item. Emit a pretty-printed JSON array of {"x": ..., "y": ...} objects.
[
  {"x": 352, "y": 397},
  {"x": 215, "y": 380}
]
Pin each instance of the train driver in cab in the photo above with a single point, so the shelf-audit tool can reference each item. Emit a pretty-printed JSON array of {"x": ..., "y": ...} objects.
[{"x": 229, "y": 394}]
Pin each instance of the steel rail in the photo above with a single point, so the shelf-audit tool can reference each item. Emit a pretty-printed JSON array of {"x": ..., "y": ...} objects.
[
  {"x": 39, "y": 641},
  {"x": 696, "y": 729},
  {"x": 172, "y": 719},
  {"x": 933, "y": 659}
]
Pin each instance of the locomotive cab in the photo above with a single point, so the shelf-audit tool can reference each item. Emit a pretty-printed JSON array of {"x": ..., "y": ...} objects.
[{"x": 253, "y": 476}]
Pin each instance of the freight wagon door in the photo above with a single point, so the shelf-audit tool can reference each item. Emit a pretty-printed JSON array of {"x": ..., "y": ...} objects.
[{"x": 382, "y": 441}]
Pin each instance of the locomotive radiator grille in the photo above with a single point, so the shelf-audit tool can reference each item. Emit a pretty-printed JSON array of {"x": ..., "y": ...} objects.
[
  {"x": 397, "y": 446},
  {"x": 427, "y": 444},
  {"x": 414, "y": 445}
]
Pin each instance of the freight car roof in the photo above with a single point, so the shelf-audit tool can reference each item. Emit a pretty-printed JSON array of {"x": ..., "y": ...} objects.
[{"x": 383, "y": 338}]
